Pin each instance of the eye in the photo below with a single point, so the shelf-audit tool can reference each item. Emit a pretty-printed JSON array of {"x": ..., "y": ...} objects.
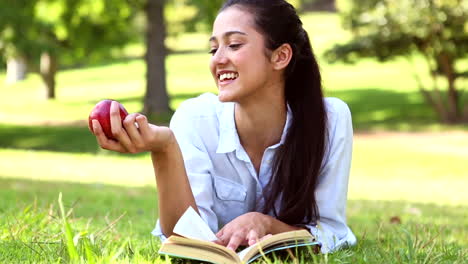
[
  {"x": 212, "y": 51},
  {"x": 235, "y": 46}
]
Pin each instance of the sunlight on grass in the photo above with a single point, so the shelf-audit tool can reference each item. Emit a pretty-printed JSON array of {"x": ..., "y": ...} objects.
[
  {"x": 430, "y": 169},
  {"x": 82, "y": 168},
  {"x": 427, "y": 167}
]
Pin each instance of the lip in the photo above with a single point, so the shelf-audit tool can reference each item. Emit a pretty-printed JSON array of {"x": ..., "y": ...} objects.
[
  {"x": 218, "y": 73},
  {"x": 225, "y": 82}
]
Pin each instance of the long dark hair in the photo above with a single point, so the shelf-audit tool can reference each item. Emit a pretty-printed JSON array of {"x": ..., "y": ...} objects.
[{"x": 297, "y": 163}]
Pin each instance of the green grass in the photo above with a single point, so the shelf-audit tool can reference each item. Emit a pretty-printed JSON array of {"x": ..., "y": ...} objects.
[
  {"x": 116, "y": 221},
  {"x": 110, "y": 201}
]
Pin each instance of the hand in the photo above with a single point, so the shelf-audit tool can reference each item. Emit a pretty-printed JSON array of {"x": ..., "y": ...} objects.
[
  {"x": 130, "y": 137},
  {"x": 246, "y": 230}
]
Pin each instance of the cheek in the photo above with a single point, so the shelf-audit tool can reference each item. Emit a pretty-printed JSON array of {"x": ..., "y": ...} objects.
[
  {"x": 212, "y": 68},
  {"x": 251, "y": 59},
  {"x": 242, "y": 58}
]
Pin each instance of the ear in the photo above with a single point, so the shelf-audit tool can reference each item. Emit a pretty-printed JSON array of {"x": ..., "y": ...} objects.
[{"x": 281, "y": 57}]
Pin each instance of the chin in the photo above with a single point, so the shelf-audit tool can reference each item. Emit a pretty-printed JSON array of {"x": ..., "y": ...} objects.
[{"x": 225, "y": 97}]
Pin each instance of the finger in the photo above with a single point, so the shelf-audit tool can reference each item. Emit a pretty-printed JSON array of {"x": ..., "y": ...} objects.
[
  {"x": 252, "y": 237},
  {"x": 132, "y": 130},
  {"x": 117, "y": 130},
  {"x": 115, "y": 119},
  {"x": 235, "y": 241},
  {"x": 143, "y": 126},
  {"x": 220, "y": 233},
  {"x": 102, "y": 140},
  {"x": 221, "y": 239},
  {"x": 219, "y": 242}
]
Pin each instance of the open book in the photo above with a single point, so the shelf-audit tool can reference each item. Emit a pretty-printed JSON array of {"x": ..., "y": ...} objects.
[{"x": 195, "y": 242}]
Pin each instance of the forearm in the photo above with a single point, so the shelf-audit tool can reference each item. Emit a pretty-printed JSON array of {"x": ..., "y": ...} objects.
[
  {"x": 276, "y": 226},
  {"x": 174, "y": 192}
]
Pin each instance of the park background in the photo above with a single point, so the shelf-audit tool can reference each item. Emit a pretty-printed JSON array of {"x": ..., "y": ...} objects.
[{"x": 63, "y": 199}]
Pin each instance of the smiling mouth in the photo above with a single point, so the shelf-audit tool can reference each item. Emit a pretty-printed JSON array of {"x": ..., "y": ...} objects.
[{"x": 228, "y": 76}]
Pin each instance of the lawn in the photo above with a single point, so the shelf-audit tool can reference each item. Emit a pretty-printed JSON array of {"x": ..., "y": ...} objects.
[{"x": 407, "y": 197}]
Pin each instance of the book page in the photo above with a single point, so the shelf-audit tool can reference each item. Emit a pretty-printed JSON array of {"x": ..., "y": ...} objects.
[
  {"x": 191, "y": 225},
  {"x": 283, "y": 240}
]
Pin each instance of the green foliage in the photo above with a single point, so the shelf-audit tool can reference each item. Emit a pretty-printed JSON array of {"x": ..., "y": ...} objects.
[
  {"x": 201, "y": 13},
  {"x": 436, "y": 29},
  {"x": 385, "y": 29},
  {"x": 78, "y": 30},
  {"x": 15, "y": 20}
]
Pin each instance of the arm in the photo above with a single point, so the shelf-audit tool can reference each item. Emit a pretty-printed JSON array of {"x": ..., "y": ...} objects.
[
  {"x": 331, "y": 193},
  {"x": 175, "y": 195},
  {"x": 174, "y": 192}
]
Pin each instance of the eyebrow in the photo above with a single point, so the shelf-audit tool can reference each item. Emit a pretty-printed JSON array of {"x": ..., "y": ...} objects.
[{"x": 228, "y": 34}]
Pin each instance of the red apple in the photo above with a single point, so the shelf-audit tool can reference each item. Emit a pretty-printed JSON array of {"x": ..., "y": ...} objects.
[{"x": 101, "y": 112}]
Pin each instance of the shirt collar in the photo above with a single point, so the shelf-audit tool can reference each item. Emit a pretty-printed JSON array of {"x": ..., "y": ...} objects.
[{"x": 228, "y": 137}]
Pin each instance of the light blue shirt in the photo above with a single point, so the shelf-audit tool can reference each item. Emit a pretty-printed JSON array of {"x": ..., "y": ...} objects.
[{"x": 225, "y": 183}]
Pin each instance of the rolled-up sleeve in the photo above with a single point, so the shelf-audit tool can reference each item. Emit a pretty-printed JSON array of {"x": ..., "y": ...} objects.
[
  {"x": 331, "y": 193},
  {"x": 198, "y": 165}
]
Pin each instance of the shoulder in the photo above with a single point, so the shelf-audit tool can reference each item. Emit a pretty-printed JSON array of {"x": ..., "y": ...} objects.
[
  {"x": 197, "y": 119},
  {"x": 195, "y": 126},
  {"x": 339, "y": 133},
  {"x": 203, "y": 106},
  {"x": 200, "y": 106},
  {"x": 336, "y": 106},
  {"x": 338, "y": 112},
  {"x": 339, "y": 118}
]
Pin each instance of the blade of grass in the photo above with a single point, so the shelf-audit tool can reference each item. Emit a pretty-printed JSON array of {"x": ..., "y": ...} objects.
[
  {"x": 72, "y": 252},
  {"x": 90, "y": 256}
]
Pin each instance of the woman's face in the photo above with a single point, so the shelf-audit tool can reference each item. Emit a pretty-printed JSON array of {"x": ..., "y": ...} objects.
[{"x": 238, "y": 64}]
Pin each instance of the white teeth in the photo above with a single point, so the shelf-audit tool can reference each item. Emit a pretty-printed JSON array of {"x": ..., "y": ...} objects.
[{"x": 225, "y": 76}]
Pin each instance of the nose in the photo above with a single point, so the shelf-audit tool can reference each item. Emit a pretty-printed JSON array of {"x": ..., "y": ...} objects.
[{"x": 219, "y": 57}]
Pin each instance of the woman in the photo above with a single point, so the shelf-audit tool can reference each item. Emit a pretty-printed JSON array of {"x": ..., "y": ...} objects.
[{"x": 269, "y": 154}]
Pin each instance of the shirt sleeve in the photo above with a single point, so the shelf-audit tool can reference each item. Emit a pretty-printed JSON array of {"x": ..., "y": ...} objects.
[
  {"x": 186, "y": 127},
  {"x": 331, "y": 193}
]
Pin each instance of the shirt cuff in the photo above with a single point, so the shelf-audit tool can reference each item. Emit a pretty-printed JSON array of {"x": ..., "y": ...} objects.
[
  {"x": 329, "y": 242},
  {"x": 157, "y": 232}
]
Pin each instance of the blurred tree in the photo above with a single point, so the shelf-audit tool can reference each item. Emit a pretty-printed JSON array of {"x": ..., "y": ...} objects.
[
  {"x": 204, "y": 14},
  {"x": 318, "y": 5},
  {"x": 12, "y": 19},
  {"x": 435, "y": 29},
  {"x": 47, "y": 32},
  {"x": 156, "y": 101}
]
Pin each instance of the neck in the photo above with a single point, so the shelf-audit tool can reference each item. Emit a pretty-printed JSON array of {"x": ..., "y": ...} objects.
[{"x": 260, "y": 124}]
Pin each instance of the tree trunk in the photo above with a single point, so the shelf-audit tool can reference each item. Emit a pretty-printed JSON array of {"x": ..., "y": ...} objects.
[
  {"x": 465, "y": 114},
  {"x": 156, "y": 100},
  {"x": 48, "y": 69},
  {"x": 448, "y": 68},
  {"x": 16, "y": 70}
]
